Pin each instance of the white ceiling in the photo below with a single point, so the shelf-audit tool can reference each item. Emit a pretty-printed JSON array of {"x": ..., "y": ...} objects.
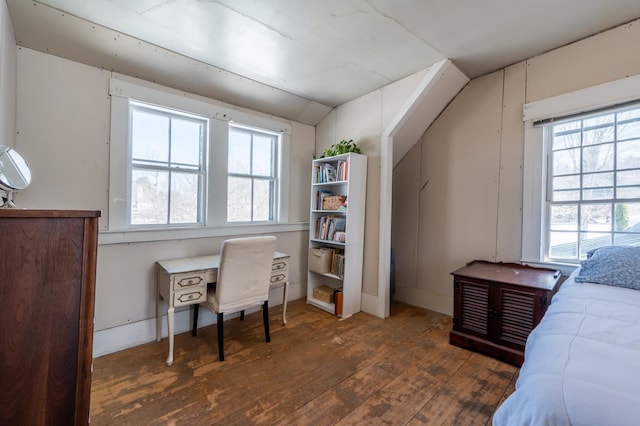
[{"x": 299, "y": 58}]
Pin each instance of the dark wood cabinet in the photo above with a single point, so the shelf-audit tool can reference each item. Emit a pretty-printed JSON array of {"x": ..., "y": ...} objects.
[
  {"x": 47, "y": 287},
  {"x": 496, "y": 305}
]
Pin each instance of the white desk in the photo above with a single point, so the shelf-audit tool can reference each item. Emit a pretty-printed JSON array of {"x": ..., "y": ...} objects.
[{"x": 183, "y": 282}]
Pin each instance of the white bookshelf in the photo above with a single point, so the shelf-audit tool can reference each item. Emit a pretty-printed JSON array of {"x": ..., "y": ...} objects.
[{"x": 352, "y": 185}]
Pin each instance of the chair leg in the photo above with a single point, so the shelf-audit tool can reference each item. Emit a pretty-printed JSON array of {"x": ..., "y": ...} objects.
[
  {"x": 220, "y": 336},
  {"x": 265, "y": 319},
  {"x": 194, "y": 328},
  {"x": 242, "y": 315}
]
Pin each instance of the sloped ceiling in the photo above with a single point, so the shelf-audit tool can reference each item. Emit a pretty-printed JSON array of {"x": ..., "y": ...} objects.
[{"x": 298, "y": 59}]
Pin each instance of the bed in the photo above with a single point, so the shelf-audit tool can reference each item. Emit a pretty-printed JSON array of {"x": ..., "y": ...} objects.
[{"x": 582, "y": 362}]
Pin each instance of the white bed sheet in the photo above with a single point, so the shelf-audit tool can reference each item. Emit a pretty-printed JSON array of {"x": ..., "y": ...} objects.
[{"x": 582, "y": 362}]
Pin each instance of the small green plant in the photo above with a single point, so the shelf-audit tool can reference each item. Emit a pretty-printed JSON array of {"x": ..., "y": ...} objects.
[{"x": 341, "y": 147}]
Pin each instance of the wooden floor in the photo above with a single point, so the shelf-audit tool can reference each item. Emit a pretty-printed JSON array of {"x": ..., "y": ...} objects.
[{"x": 316, "y": 370}]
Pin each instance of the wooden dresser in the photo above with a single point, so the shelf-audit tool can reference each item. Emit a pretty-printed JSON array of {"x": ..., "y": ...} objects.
[
  {"x": 497, "y": 305},
  {"x": 47, "y": 287}
]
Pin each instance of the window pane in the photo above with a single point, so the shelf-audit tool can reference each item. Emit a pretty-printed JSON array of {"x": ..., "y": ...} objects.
[
  {"x": 628, "y": 192},
  {"x": 563, "y": 140},
  {"x": 566, "y": 162},
  {"x": 149, "y": 197},
  {"x": 628, "y": 177},
  {"x": 593, "y": 240},
  {"x": 239, "y": 152},
  {"x": 629, "y": 155},
  {"x": 239, "y": 199},
  {"x": 595, "y": 217},
  {"x": 597, "y": 194},
  {"x": 566, "y": 195},
  {"x": 564, "y": 217},
  {"x": 626, "y": 239},
  {"x": 262, "y": 155},
  {"x": 149, "y": 137},
  {"x": 184, "y": 198},
  {"x": 597, "y": 158},
  {"x": 629, "y": 130},
  {"x": 563, "y": 245},
  {"x": 262, "y": 197},
  {"x": 627, "y": 217},
  {"x": 598, "y": 129},
  {"x": 186, "y": 143},
  {"x": 595, "y": 180},
  {"x": 566, "y": 182}
]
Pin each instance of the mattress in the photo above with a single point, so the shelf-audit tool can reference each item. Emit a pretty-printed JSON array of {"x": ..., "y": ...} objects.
[{"x": 582, "y": 362}]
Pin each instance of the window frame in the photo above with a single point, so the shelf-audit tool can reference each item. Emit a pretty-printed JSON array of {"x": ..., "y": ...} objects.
[
  {"x": 201, "y": 172},
  {"x": 273, "y": 177},
  {"x": 535, "y": 179},
  {"x": 122, "y": 90}
]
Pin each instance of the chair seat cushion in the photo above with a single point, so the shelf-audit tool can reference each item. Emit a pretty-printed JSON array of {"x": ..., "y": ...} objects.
[{"x": 230, "y": 307}]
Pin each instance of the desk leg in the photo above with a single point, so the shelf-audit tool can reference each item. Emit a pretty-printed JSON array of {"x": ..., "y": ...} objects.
[
  {"x": 170, "y": 319},
  {"x": 284, "y": 302},
  {"x": 159, "y": 318},
  {"x": 158, "y": 308}
]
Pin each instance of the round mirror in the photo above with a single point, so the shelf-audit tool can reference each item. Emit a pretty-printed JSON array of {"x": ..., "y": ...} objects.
[{"x": 15, "y": 173}]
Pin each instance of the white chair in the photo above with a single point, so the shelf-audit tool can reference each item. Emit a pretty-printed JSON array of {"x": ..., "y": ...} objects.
[{"x": 243, "y": 281}]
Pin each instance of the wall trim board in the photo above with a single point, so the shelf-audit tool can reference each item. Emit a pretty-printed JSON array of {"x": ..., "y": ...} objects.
[
  {"x": 138, "y": 333},
  {"x": 426, "y": 299}
]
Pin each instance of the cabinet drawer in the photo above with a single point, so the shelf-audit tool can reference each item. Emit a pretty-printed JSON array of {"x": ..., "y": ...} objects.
[
  {"x": 189, "y": 297},
  {"x": 189, "y": 280}
]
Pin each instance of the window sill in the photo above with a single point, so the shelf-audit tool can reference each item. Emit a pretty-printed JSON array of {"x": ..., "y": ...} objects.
[
  {"x": 148, "y": 235},
  {"x": 565, "y": 268}
]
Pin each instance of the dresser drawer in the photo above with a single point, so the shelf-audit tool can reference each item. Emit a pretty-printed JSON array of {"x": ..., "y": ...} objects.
[
  {"x": 190, "y": 297},
  {"x": 189, "y": 281}
]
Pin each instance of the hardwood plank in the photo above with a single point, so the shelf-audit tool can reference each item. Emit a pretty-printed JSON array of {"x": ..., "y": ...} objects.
[{"x": 316, "y": 370}]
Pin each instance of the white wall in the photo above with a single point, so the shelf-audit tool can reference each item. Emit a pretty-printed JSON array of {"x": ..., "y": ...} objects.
[
  {"x": 458, "y": 194},
  {"x": 7, "y": 78},
  {"x": 63, "y": 120},
  {"x": 363, "y": 120}
]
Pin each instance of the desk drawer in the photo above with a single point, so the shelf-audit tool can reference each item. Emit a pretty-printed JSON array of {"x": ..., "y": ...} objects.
[
  {"x": 278, "y": 266},
  {"x": 278, "y": 277},
  {"x": 190, "y": 297},
  {"x": 189, "y": 280}
]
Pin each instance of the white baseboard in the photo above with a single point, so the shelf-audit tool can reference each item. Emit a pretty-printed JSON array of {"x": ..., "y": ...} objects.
[{"x": 141, "y": 332}]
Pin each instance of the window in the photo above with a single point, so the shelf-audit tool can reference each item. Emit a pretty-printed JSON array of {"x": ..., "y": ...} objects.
[
  {"x": 593, "y": 189},
  {"x": 185, "y": 164},
  {"x": 251, "y": 180},
  {"x": 580, "y": 171},
  {"x": 167, "y": 166}
]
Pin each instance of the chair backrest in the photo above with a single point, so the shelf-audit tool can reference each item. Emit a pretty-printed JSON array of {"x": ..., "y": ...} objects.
[{"x": 244, "y": 273}]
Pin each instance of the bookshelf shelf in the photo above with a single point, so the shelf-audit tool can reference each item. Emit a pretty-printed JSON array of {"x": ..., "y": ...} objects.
[{"x": 336, "y": 230}]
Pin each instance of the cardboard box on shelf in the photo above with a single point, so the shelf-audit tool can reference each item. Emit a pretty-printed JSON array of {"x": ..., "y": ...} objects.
[{"x": 323, "y": 293}]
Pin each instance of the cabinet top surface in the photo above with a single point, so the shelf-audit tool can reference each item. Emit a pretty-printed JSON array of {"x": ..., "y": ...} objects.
[
  {"x": 24, "y": 213},
  {"x": 510, "y": 273}
]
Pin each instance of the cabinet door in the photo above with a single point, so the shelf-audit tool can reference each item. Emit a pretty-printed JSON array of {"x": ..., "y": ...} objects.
[
  {"x": 516, "y": 316},
  {"x": 472, "y": 307}
]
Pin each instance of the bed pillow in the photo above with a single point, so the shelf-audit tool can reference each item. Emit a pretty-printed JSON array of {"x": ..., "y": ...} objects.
[{"x": 612, "y": 265}]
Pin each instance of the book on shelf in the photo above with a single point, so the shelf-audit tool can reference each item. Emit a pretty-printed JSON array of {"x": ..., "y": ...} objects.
[
  {"x": 342, "y": 170},
  {"x": 328, "y": 226},
  {"x": 320, "y": 195},
  {"x": 328, "y": 172},
  {"x": 337, "y": 263}
]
